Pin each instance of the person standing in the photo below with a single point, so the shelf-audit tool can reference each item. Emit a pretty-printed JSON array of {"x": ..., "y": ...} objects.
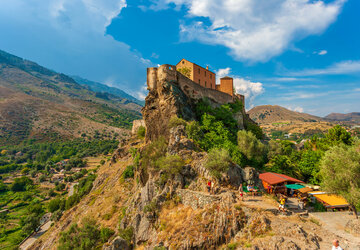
[
  {"x": 336, "y": 245},
  {"x": 209, "y": 186},
  {"x": 241, "y": 192},
  {"x": 282, "y": 204}
]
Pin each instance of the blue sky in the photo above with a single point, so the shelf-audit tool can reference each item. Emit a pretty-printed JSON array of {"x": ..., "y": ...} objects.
[{"x": 300, "y": 54}]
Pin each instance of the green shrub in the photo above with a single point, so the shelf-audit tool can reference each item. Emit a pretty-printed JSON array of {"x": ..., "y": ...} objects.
[
  {"x": 176, "y": 121},
  {"x": 21, "y": 184},
  {"x": 102, "y": 162},
  {"x": 55, "y": 204},
  {"x": 128, "y": 172},
  {"x": 255, "y": 129},
  {"x": 152, "y": 153},
  {"x": 232, "y": 246},
  {"x": 127, "y": 234},
  {"x": 141, "y": 132},
  {"x": 217, "y": 162},
  {"x": 89, "y": 236},
  {"x": 251, "y": 147}
]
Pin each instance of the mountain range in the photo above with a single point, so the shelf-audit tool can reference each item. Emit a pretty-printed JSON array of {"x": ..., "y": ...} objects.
[
  {"x": 41, "y": 104},
  {"x": 276, "y": 118}
]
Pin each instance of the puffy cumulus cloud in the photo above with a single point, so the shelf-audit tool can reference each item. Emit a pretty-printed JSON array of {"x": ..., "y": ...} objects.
[
  {"x": 249, "y": 89},
  {"x": 223, "y": 72},
  {"x": 255, "y": 30},
  {"x": 69, "y": 36},
  {"x": 242, "y": 86}
]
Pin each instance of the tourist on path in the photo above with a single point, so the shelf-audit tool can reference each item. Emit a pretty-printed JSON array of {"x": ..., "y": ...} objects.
[
  {"x": 209, "y": 186},
  {"x": 241, "y": 192},
  {"x": 336, "y": 245},
  {"x": 282, "y": 204}
]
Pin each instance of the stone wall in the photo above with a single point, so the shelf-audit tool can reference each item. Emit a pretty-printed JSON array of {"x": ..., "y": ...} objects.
[
  {"x": 196, "y": 199},
  {"x": 193, "y": 90},
  {"x": 136, "y": 125}
]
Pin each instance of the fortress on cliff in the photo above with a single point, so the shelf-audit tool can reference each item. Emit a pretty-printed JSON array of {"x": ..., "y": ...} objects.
[{"x": 195, "y": 81}]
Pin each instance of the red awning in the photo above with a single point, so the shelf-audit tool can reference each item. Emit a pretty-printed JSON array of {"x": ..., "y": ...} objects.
[{"x": 275, "y": 178}]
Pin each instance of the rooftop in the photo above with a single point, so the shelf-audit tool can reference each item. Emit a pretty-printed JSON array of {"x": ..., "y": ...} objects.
[{"x": 275, "y": 178}]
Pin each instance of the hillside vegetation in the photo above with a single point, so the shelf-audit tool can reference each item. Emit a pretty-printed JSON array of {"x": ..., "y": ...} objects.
[{"x": 40, "y": 104}]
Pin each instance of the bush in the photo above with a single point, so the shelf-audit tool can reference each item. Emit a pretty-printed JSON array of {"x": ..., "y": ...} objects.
[
  {"x": 217, "y": 162},
  {"x": 42, "y": 178},
  {"x": 128, "y": 172},
  {"x": 89, "y": 236},
  {"x": 255, "y": 129},
  {"x": 152, "y": 153},
  {"x": 127, "y": 234},
  {"x": 141, "y": 132},
  {"x": 56, "y": 215},
  {"x": 176, "y": 121},
  {"x": 251, "y": 147},
  {"x": 3, "y": 187},
  {"x": 21, "y": 184},
  {"x": 102, "y": 162},
  {"x": 55, "y": 204}
]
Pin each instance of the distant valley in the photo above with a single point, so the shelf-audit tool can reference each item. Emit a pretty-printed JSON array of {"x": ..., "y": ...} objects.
[{"x": 40, "y": 104}]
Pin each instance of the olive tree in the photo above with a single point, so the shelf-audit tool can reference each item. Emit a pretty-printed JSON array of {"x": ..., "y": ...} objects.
[{"x": 340, "y": 173}]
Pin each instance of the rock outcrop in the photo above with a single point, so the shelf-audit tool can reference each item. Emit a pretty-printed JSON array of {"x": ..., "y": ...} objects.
[{"x": 171, "y": 93}]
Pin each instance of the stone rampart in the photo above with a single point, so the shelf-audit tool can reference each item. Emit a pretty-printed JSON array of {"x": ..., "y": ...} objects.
[{"x": 168, "y": 73}]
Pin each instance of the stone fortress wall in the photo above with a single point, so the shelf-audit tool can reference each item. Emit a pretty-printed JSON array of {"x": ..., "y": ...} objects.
[{"x": 168, "y": 73}]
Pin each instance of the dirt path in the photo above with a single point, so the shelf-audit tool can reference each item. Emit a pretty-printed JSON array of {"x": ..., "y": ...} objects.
[
  {"x": 27, "y": 244},
  {"x": 335, "y": 222}
]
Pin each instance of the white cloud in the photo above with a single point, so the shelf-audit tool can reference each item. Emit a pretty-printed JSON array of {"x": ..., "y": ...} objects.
[
  {"x": 322, "y": 52},
  {"x": 256, "y": 30},
  {"x": 249, "y": 89},
  {"x": 223, "y": 72},
  {"x": 242, "y": 86},
  {"x": 69, "y": 36},
  {"x": 142, "y": 93},
  {"x": 344, "y": 67},
  {"x": 296, "y": 109}
]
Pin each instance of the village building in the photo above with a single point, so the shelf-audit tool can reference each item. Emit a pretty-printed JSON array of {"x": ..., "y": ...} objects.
[
  {"x": 206, "y": 78},
  {"x": 278, "y": 182}
]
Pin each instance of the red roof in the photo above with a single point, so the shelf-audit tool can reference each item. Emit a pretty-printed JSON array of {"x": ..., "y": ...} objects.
[{"x": 275, "y": 178}]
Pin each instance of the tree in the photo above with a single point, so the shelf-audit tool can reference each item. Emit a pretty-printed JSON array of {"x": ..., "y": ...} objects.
[
  {"x": 218, "y": 162},
  {"x": 340, "y": 173},
  {"x": 21, "y": 184},
  {"x": 251, "y": 147},
  {"x": 338, "y": 135},
  {"x": 32, "y": 219}
]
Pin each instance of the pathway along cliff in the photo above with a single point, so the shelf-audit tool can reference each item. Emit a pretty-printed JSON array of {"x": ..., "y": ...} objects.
[{"x": 152, "y": 193}]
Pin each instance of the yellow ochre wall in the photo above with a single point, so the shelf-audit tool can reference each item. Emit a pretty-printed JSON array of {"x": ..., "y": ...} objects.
[{"x": 201, "y": 76}]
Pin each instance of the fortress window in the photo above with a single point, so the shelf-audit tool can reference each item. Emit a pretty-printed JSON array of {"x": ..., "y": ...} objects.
[
  {"x": 205, "y": 83},
  {"x": 199, "y": 81},
  {"x": 199, "y": 71},
  {"x": 205, "y": 73},
  {"x": 210, "y": 76},
  {"x": 183, "y": 62}
]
